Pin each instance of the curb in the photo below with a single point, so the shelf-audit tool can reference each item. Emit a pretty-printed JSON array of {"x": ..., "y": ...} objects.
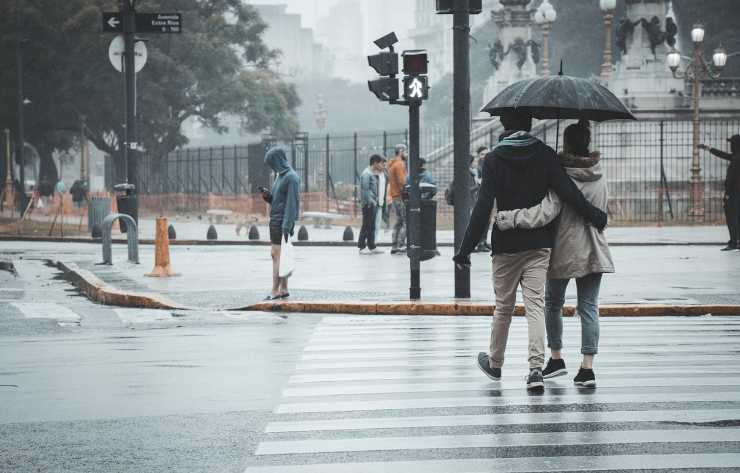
[
  {"x": 149, "y": 241},
  {"x": 98, "y": 291}
]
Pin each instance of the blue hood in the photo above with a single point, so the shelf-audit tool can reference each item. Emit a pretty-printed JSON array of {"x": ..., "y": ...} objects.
[{"x": 277, "y": 160}]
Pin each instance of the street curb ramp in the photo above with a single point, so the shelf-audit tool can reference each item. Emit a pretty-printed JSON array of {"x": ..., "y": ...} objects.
[{"x": 99, "y": 291}]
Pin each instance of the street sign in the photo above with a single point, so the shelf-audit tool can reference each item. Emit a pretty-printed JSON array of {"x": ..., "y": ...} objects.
[
  {"x": 145, "y": 22},
  {"x": 112, "y": 22},
  {"x": 158, "y": 23},
  {"x": 415, "y": 88},
  {"x": 117, "y": 48}
]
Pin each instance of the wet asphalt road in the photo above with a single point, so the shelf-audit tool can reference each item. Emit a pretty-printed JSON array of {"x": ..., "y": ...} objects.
[{"x": 88, "y": 388}]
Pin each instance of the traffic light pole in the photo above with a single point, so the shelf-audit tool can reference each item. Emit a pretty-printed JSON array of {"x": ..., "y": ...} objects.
[
  {"x": 129, "y": 146},
  {"x": 414, "y": 211},
  {"x": 20, "y": 138},
  {"x": 461, "y": 121}
]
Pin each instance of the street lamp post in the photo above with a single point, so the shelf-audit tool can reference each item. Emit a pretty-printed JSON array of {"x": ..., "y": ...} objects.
[
  {"x": 20, "y": 138},
  {"x": 544, "y": 16},
  {"x": 696, "y": 71},
  {"x": 607, "y": 6}
]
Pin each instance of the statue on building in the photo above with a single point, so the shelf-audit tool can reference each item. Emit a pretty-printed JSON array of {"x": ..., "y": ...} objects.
[
  {"x": 518, "y": 47},
  {"x": 655, "y": 33},
  {"x": 534, "y": 47},
  {"x": 496, "y": 53},
  {"x": 671, "y": 30},
  {"x": 624, "y": 31}
]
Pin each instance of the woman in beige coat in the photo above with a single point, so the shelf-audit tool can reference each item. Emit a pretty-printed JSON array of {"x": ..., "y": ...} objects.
[{"x": 579, "y": 252}]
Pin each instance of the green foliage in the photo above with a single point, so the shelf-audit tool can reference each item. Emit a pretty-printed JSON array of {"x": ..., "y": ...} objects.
[{"x": 217, "y": 66}]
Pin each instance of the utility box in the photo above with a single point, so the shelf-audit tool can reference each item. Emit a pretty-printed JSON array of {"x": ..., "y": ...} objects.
[
  {"x": 428, "y": 229},
  {"x": 127, "y": 203},
  {"x": 97, "y": 209}
]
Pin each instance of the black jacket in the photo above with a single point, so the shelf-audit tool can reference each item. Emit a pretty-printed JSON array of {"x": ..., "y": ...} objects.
[
  {"x": 732, "y": 181},
  {"x": 517, "y": 174}
]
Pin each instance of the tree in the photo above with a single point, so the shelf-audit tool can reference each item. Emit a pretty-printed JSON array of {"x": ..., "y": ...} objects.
[{"x": 218, "y": 66}]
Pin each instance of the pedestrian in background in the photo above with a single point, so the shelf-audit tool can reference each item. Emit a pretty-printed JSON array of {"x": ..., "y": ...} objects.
[
  {"x": 732, "y": 190},
  {"x": 369, "y": 199},
  {"x": 382, "y": 209},
  {"x": 481, "y": 152},
  {"x": 397, "y": 179},
  {"x": 284, "y": 200},
  {"x": 579, "y": 252}
]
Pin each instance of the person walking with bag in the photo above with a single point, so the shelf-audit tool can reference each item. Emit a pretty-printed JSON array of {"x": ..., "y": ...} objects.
[
  {"x": 284, "y": 200},
  {"x": 579, "y": 252}
]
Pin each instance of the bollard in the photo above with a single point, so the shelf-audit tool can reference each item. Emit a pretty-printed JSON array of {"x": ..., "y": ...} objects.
[
  {"x": 303, "y": 233},
  {"x": 161, "y": 251},
  {"x": 132, "y": 238},
  {"x": 212, "y": 234},
  {"x": 171, "y": 234},
  {"x": 254, "y": 233},
  {"x": 349, "y": 235}
]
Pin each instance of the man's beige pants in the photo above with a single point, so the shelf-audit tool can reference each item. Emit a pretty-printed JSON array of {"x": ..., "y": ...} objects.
[{"x": 528, "y": 268}]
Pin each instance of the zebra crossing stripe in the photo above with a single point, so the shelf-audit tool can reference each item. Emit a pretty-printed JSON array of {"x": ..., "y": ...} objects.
[
  {"x": 48, "y": 310},
  {"x": 564, "y": 417},
  {"x": 520, "y": 465},
  {"x": 334, "y": 445},
  {"x": 489, "y": 401},
  {"x": 142, "y": 316}
]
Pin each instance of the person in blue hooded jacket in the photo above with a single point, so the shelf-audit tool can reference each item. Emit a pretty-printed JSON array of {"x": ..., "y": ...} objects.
[{"x": 284, "y": 200}]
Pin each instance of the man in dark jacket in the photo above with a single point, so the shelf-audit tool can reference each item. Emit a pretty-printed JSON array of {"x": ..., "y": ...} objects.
[
  {"x": 517, "y": 174},
  {"x": 732, "y": 190},
  {"x": 284, "y": 200}
]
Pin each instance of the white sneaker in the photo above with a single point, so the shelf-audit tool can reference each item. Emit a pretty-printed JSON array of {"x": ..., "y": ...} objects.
[
  {"x": 377, "y": 251},
  {"x": 364, "y": 251}
]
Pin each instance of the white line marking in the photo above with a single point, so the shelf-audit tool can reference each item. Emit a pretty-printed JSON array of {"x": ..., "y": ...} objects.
[{"x": 48, "y": 310}]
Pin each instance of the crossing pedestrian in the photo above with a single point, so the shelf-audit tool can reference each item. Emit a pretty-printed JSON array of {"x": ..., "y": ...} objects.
[
  {"x": 732, "y": 190},
  {"x": 397, "y": 179},
  {"x": 518, "y": 174},
  {"x": 284, "y": 200},
  {"x": 579, "y": 252},
  {"x": 369, "y": 199}
]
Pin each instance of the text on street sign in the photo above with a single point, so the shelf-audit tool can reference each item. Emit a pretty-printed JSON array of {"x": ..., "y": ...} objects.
[{"x": 159, "y": 23}]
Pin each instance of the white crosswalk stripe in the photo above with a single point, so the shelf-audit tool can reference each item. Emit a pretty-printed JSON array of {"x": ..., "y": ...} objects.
[
  {"x": 48, "y": 310},
  {"x": 403, "y": 394}
]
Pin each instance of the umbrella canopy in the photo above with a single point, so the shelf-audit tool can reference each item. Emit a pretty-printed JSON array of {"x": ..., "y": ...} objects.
[{"x": 560, "y": 97}]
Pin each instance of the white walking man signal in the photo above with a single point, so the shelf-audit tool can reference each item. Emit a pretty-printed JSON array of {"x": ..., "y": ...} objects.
[{"x": 416, "y": 89}]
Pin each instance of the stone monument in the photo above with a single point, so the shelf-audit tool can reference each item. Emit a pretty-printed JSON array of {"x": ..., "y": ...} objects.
[
  {"x": 644, "y": 36},
  {"x": 514, "y": 55}
]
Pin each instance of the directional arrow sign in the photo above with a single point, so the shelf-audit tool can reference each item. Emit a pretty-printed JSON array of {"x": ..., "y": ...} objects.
[
  {"x": 112, "y": 22},
  {"x": 415, "y": 88}
]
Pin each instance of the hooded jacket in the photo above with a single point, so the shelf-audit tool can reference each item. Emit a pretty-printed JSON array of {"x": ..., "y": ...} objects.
[
  {"x": 579, "y": 249},
  {"x": 732, "y": 181},
  {"x": 285, "y": 203},
  {"x": 517, "y": 174},
  {"x": 369, "y": 187}
]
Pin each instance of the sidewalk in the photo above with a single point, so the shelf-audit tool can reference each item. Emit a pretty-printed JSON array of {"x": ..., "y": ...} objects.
[{"x": 233, "y": 277}]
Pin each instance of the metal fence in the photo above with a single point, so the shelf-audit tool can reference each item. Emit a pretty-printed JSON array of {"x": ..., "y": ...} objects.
[{"x": 646, "y": 163}]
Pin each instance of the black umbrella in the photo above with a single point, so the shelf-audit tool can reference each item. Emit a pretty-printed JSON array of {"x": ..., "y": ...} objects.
[{"x": 560, "y": 97}]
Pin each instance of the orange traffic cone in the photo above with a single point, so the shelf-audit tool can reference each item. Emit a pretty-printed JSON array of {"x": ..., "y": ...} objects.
[{"x": 161, "y": 251}]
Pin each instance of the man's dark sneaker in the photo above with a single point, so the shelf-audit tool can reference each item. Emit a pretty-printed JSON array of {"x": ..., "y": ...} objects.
[
  {"x": 485, "y": 366},
  {"x": 730, "y": 246},
  {"x": 535, "y": 382},
  {"x": 554, "y": 368},
  {"x": 585, "y": 378}
]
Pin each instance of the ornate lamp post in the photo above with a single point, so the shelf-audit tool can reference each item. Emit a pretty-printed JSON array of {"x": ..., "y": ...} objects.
[
  {"x": 696, "y": 71},
  {"x": 545, "y": 16},
  {"x": 607, "y": 6}
]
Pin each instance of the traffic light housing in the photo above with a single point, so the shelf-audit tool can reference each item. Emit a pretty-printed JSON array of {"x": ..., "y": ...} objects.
[
  {"x": 384, "y": 88},
  {"x": 385, "y": 63},
  {"x": 415, "y": 62},
  {"x": 447, "y": 7}
]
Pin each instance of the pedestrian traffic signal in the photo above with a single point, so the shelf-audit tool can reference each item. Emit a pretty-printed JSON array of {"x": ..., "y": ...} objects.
[
  {"x": 415, "y": 62},
  {"x": 415, "y": 88},
  {"x": 384, "y": 63},
  {"x": 384, "y": 88},
  {"x": 447, "y": 7}
]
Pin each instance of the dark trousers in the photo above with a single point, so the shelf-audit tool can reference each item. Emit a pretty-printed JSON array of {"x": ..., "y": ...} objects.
[
  {"x": 732, "y": 215},
  {"x": 367, "y": 232}
]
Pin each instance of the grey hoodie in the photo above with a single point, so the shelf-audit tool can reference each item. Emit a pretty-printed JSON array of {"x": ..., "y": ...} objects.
[{"x": 285, "y": 203}]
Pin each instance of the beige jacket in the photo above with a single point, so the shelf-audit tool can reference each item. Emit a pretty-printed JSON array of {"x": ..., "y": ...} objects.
[{"x": 579, "y": 249}]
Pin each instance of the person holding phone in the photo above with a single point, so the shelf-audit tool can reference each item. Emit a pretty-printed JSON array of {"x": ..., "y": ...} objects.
[{"x": 284, "y": 200}]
